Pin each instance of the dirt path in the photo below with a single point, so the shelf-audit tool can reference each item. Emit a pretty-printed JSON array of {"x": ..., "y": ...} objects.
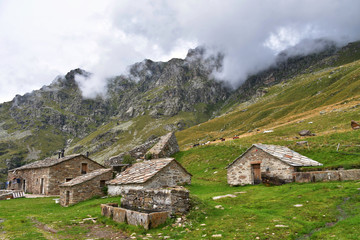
[{"x": 95, "y": 231}]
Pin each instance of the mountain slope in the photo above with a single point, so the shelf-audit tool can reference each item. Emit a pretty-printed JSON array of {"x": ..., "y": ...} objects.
[{"x": 157, "y": 97}]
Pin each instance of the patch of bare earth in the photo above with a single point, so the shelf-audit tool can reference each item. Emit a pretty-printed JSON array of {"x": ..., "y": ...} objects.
[
  {"x": 95, "y": 231},
  {"x": 107, "y": 232}
]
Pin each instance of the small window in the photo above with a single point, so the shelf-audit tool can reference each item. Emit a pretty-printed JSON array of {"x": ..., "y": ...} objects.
[
  {"x": 68, "y": 179},
  {"x": 84, "y": 168},
  {"x": 102, "y": 183}
]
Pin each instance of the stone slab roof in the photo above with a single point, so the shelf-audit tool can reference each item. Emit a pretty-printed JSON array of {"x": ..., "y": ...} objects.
[
  {"x": 284, "y": 154},
  {"x": 86, "y": 177},
  {"x": 287, "y": 155},
  {"x": 47, "y": 162},
  {"x": 165, "y": 147},
  {"x": 143, "y": 171},
  {"x": 158, "y": 147}
]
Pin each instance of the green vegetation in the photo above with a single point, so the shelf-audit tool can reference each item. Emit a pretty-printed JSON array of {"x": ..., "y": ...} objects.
[
  {"x": 128, "y": 159},
  {"x": 328, "y": 209},
  {"x": 329, "y": 99}
]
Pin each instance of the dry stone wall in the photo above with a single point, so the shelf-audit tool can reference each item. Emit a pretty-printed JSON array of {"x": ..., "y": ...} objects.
[
  {"x": 240, "y": 172},
  {"x": 175, "y": 200},
  {"x": 170, "y": 176},
  {"x": 325, "y": 176},
  {"x": 32, "y": 179},
  {"x": 52, "y": 176},
  {"x": 136, "y": 152},
  {"x": 69, "y": 170},
  {"x": 84, "y": 190}
]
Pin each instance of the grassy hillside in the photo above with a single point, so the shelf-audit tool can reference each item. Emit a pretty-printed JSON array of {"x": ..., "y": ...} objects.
[
  {"x": 327, "y": 210},
  {"x": 324, "y": 102}
]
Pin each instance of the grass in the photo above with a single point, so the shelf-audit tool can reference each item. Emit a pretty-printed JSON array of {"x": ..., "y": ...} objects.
[
  {"x": 328, "y": 209},
  {"x": 21, "y": 216},
  {"x": 335, "y": 91}
]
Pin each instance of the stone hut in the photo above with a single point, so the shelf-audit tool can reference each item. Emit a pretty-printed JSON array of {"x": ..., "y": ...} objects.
[
  {"x": 158, "y": 147},
  {"x": 84, "y": 187},
  {"x": 158, "y": 173},
  {"x": 166, "y": 146},
  {"x": 262, "y": 161},
  {"x": 45, "y": 176}
]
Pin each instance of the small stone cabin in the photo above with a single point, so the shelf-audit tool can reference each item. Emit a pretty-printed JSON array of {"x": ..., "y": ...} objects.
[
  {"x": 166, "y": 146},
  {"x": 45, "y": 176},
  {"x": 84, "y": 187},
  {"x": 262, "y": 160},
  {"x": 157, "y": 173}
]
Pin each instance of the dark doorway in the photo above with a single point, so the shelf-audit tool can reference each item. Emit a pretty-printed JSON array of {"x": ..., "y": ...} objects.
[
  {"x": 102, "y": 183},
  {"x": 67, "y": 199},
  {"x": 84, "y": 168},
  {"x": 24, "y": 186},
  {"x": 256, "y": 172},
  {"x": 42, "y": 186}
]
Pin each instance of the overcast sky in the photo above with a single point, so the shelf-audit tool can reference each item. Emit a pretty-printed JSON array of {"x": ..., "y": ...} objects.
[{"x": 40, "y": 39}]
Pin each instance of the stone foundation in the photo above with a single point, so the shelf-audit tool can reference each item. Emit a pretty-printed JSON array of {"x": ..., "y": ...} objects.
[
  {"x": 132, "y": 217},
  {"x": 326, "y": 176},
  {"x": 174, "y": 200}
]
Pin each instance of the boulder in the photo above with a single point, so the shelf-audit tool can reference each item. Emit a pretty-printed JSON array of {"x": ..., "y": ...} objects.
[
  {"x": 306, "y": 133},
  {"x": 355, "y": 125}
]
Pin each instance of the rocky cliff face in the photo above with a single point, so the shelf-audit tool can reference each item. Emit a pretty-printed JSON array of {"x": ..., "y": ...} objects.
[
  {"x": 37, "y": 124},
  {"x": 167, "y": 88}
]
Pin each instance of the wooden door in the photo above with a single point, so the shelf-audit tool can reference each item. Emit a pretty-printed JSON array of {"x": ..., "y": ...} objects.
[
  {"x": 84, "y": 168},
  {"x": 256, "y": 172}
]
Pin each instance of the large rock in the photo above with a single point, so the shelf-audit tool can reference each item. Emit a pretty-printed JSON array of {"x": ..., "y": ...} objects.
[
  {"x": 306, "y": 133},
  {"x": 355, "y": 125}
]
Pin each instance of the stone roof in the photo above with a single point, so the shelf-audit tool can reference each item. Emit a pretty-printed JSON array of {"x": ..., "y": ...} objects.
[
  {"x": 47, "y": 162},
  {"x": 143, "y": 171},
  {"x": 166, "y": 146},
  {"x": 283, "y": 154},
  {"x": 287, "y": 155},
  {"x": 86, "y": 177}
]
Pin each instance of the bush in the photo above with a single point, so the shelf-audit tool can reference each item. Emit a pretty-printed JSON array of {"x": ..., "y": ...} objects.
[
  {"x": 128, "y": 159},
  {"x": 148, "y": 156}
]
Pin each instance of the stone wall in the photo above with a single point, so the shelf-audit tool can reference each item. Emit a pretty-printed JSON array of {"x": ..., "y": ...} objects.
[
  {"x": 166, "y": 147},
  {"x": 170, "y": 176},
  {"x": 240, "y": 172},
  {"x": 84, "y": 190},
  {"x": 68, "y": 170},
  {"x": 175, "y": 200},
  {"x": 52, "y": 176},
  {"x": 136, "y": 152},
  {"x": 325, "y": 176},
  {"x": 146, "y": 219},
  {"x": 32, "y": 179}
]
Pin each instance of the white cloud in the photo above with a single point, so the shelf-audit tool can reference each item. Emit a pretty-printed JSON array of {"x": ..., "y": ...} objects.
[{"x": 40, "y": 39}]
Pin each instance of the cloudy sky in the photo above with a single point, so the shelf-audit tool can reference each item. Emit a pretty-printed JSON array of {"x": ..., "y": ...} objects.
[{"x": 40, "y": 39}]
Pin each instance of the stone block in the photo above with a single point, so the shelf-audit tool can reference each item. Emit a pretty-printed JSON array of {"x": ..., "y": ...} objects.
[
  {"x": 137, "y": 218},
  {"x": 107, "y": 210},
  {"x": 157, "y": 218},
  {"x": 119, "y": 214}
]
